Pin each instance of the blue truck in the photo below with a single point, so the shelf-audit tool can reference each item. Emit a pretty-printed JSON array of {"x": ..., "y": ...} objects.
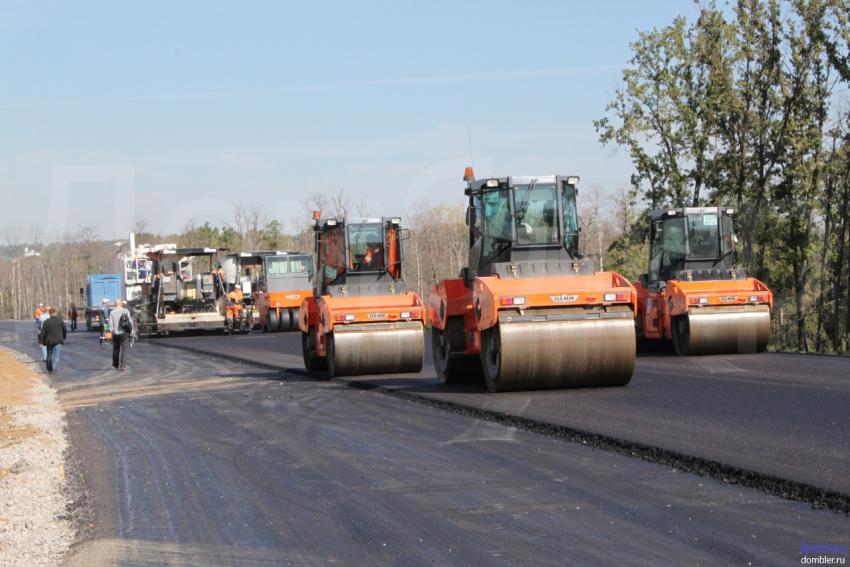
[{"x": 98, "y": 288}]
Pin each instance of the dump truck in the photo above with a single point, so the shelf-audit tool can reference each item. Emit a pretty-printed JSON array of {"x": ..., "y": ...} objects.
[
  {"x": 280, "y": 281},
  {"x": 361, "y": 318},
  {"x": 528, "y": 311},
  {"x": 186, "y": 291},
  {"x": 98, "y": 288},
  {"x": 692, "y": 294}
]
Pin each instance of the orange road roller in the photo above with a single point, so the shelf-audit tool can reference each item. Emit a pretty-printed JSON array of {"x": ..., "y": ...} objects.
[
  {"x": 692, "y": 294},
  {"x": 361, "y": 318},
  {"x": 528, "y": 311}
]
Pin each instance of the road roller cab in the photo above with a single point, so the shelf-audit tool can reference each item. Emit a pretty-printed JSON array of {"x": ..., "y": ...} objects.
[
  {"x": 275, "y": 283},
  {"x": 528, "y": 310},
  {"x": 693, "y": 294},
  {"x": 361, "y": 318}
]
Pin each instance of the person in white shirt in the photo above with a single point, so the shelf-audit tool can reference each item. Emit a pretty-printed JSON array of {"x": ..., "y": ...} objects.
[{"x": 120, "y": 336}]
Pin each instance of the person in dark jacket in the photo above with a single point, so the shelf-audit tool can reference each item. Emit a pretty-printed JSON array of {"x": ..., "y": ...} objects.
[
  {"x": 53, "y": 334},
  {"x": 72, "y": 316}
]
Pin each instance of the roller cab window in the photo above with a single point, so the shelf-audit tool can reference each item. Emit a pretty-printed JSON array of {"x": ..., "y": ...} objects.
[
  {"x": 674, "y": 243},
  {"x": 727, "y": 240},
  {"x": 536, "y": 207},
  {"x": 703, "y": 229},
  {"x": 367, "y": 247},
  {"x": 286, "y": 266},
  {"x": 497, "y": 227},
  {"x": 568, "y": 206},
  {"x": 333, "y": 254}
]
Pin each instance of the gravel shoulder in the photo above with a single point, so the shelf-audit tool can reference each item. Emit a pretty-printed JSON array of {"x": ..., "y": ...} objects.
[{"x": 39, "y": 511}]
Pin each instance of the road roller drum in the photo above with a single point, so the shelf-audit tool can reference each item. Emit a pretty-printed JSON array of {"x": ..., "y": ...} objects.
[
  {"x": 558, "y": 354},
  {"x": 375, "y": 351},
  {"x": 721, "y": 332}
]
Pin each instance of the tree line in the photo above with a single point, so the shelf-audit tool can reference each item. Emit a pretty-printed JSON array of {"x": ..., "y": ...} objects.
[{"x": 747, "y": 107}]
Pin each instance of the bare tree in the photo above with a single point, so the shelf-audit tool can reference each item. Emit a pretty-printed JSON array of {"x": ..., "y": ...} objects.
[{"x": 13, "y": 236}]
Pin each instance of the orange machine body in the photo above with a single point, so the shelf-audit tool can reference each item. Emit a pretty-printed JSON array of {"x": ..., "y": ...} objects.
[
  {"x": 361, "y": 318},
  {"x": 656, "y": 308},
  {"x": 491, "y": 298},
  {"x": 328, "y": 314}
]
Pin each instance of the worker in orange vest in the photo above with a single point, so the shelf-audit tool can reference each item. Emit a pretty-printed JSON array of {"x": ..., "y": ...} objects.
[
  {"x": 234, "y": 303},
  {"x": 374, "y": 258},
  {"x": 40, "y": 310}
]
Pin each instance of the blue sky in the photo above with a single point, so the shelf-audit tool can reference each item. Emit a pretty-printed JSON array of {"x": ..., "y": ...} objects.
[{"x": 172, "y": 110}]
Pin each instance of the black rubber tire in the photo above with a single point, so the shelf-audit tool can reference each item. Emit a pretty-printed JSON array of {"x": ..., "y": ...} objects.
[
  {"x": 274, "y": 321},
  {"x": 285, "y": 324},
  {"x": 445, "y": 348},
  {"x": 681, "y": 334},
  {"x": 491, "y": 357},
  {"x": 88, "y": 323},
  {"x": 312, "y": 362},
  {"x": 331, "y": 358}
]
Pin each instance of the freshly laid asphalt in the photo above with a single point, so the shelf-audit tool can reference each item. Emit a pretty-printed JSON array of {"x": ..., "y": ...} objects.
[
  {"x": 777, "y": 414},
  {"x": 192, "y": 459}
]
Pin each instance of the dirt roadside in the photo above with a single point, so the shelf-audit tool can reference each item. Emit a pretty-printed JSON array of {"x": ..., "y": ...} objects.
[{"x": 37, "y": 518}]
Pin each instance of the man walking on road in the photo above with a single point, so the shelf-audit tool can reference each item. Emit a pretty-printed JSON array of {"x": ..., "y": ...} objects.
[
  {"x": 120, "y": 335},
  {"x": 45, "y": 315},
  {"x": 72, "y": 316},
  {"x": 53, "y": 334}
]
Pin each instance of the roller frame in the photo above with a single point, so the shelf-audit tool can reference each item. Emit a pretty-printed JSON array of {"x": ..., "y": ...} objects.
[{"x": 741, "y": 327}]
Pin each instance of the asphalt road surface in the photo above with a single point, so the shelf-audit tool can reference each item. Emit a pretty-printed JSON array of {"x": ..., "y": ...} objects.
[
  {"x": 777, "y": 414},
  {"x": 196, "y": 460}
]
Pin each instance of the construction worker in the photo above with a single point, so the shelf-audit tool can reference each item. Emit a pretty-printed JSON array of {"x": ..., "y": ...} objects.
[
  {"x": 39, "y": 311},
  {"x": 374, "y": 258},
  {"x": 53, "y": 334},
  {"x": 234, "y": 304},
  {"x": 72, "y": 316},
  {"x": 121, "y": 337},
  {"x": 104, "y": 318},
  {"x": 45, "y": 315}
]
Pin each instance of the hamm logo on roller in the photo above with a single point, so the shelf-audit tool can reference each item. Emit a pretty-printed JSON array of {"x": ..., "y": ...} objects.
[
  {"x": 728, "y": 298},
  {"x": 377, "y": 315},
  {"x": 292, "y": 296},
  {"x": 563, "y": 298}
]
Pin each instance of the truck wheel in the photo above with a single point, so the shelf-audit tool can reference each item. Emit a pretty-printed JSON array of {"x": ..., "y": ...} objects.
[
  {"x": 285, "y": 321},
  {"x": 274, "y": 321},
  {"x": 88, "y": 323}
]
